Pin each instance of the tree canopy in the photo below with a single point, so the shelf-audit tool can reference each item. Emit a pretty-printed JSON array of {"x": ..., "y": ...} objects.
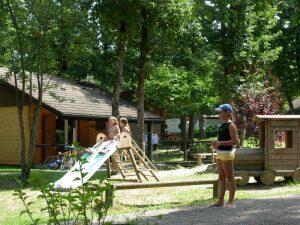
[{"x": 191, "y": 55}]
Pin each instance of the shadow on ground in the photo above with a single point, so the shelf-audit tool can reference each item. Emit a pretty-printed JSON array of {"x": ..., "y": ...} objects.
[
  {"x": 9, "y": 177},
  {"x": 249, "y": 212}
]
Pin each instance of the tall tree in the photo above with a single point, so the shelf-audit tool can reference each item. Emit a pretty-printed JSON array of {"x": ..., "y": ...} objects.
[
  {"x": 118, "y": 18},
  {"x": 74, "y": 35},
  {"x": 287, "y": 66},
  {"x": 121, "y": 45},
  {"x": 158, "y": 20},
  {"x": 29, "y": 57},
  {"x": 242, "y": 32},
  {"x": 142, "y": 75},
  {"x": 179, "y": 92}
]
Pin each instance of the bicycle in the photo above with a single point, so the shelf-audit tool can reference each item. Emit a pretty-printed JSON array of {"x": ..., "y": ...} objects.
[{"x": 62, "y": 161}]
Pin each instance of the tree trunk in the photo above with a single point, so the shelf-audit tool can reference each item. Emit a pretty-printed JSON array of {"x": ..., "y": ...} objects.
[
  {"x": 163, "y": 130},
  {"x": 183, "y": 143},
  {"x": 119, "y": 69},
  {"x": 26, "y": 160},
  {"x": 20, "y": 108},
  {"x": 34, "y": 132},
  {"x": 23, "y": 141},
  {"x": 149, "y": 141},
  {"x": 191, "y": 134},
  {"x": 298, "y": 48},
  {"x": 201, "y": 126},
  {"x": 291, "y": 106},
  {"x": 26, "y": 169},
  {"x": 20, "y": 95},
  {"x": 242, "y": 131},
  {"x": 142, "y": 77}
]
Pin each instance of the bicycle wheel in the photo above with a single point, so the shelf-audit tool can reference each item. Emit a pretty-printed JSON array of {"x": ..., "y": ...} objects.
[{"x": 48, "y": 163}]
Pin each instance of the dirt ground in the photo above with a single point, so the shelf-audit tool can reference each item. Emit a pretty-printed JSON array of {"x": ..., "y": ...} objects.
[{"x": 249, "y": 212}]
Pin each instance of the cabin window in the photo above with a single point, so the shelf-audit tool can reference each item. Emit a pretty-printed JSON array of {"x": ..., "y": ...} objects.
[{"x": 283, "y": 139}]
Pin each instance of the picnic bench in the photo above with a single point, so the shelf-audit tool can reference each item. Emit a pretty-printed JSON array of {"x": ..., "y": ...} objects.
[
  {"x": 200, "y": 156},
  {"x": 110, "y": 193}
]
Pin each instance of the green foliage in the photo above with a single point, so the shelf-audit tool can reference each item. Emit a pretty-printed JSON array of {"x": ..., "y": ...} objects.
[
  {"x": 242, "y": 32},
  {"x": 24, "y": 198},
  {"x": 241, "y": 38},
  {"x": 178, "y": 91},
  {"x": 287, "y": 65},
  {"x": 251, "y": 142},
  {"x": 201, "y": 148},
  {"x": 84, "y": 205},
  {"x": 211, "y": 131}
]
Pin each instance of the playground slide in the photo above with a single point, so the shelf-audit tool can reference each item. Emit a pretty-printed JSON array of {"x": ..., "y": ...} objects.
[{"x": 94, "y": 161}]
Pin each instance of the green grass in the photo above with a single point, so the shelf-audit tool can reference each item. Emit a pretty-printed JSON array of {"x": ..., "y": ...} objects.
[
  {"x": 208, "y": 139},
  {"x": 163, "y": 156},
  {"x": 10, "y": 206},
  {"x": 132, "y": 200},
  {"x": 161, "y": 198}
]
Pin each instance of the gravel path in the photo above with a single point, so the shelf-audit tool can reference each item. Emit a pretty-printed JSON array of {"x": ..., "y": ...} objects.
[
  {"x": 249, "y": 212},
  {"x": 182, "y": 171}
]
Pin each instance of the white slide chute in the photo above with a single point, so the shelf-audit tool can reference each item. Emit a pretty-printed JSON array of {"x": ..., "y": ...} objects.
[{"x": 72, "y": 179}]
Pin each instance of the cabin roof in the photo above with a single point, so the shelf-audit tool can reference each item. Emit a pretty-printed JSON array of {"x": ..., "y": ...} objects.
[
  {"x": 70, "y": 99},
  {"x": 277, "y": 117}
]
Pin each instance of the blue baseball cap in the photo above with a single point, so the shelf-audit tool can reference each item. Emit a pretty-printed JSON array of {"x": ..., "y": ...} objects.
[{"x": 224, "y": 107}]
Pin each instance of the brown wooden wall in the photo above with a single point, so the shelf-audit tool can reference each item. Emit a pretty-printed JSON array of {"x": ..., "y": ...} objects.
[
  {"x": 46, "y": 140},
  {"x": 87, "y": 133},
  {"x": 7, "y": 95},
  {"x": 10, "y": 141},
  {"x": 88, "y": 130},
  {"x": 10, "y": 135}
]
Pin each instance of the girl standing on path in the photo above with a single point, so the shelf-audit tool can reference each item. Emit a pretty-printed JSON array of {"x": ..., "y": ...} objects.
[{"x": 227, "y": 138}]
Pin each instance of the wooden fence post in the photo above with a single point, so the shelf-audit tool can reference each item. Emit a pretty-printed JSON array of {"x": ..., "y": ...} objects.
[
  {"x": 215, "y": 189},
  {"x": 110, "y": 196}
]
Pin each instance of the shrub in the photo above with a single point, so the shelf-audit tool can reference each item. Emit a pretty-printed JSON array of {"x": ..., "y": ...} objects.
[
  {"x": 84, "y": 205},
  {"x": 251, "y": 142},
  {"x": 211, "y": 131},
  {"x": 200, "y": 148}
]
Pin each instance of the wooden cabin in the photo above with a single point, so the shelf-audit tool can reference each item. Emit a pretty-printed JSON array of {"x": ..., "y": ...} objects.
[
  {"x": 278, "y": 153},
  {"x": 71, "y": 112}
]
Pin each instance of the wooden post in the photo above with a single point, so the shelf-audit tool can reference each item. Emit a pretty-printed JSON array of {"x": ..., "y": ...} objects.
[
  {"x": 162, "y": 130},
  {"x": 150, "y": 166},
  {"x": 201, "y": 126},
  {"x": 216, "y": 189},
  {"x": 199, "y": 160},
  {"x": 131, "y": 186},
  {"x": 149, "y": 141},
  {"x": 75, "y": 131},
  {"x": 268, "y": 138},
  {"x": 135, "y": 167},
  {"x": 110, "y": 196},
  {"x": 117, "y": 165},
  {"x": 108, "y": 168},
  {"x": 183, "y": 145},
  {"x": 66, "y": 131}
]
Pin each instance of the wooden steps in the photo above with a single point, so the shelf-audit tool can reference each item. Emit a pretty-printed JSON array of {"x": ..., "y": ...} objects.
[{"x": 130, "y": 157}]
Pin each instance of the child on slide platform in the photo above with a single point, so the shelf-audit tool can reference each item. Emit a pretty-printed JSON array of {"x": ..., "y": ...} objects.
[
  {"x": 125, "y": 126},
  {"x": 227, "y": 138},
  {"x": 113, "y": 133},
  {"x": 113, "y": 128}
]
